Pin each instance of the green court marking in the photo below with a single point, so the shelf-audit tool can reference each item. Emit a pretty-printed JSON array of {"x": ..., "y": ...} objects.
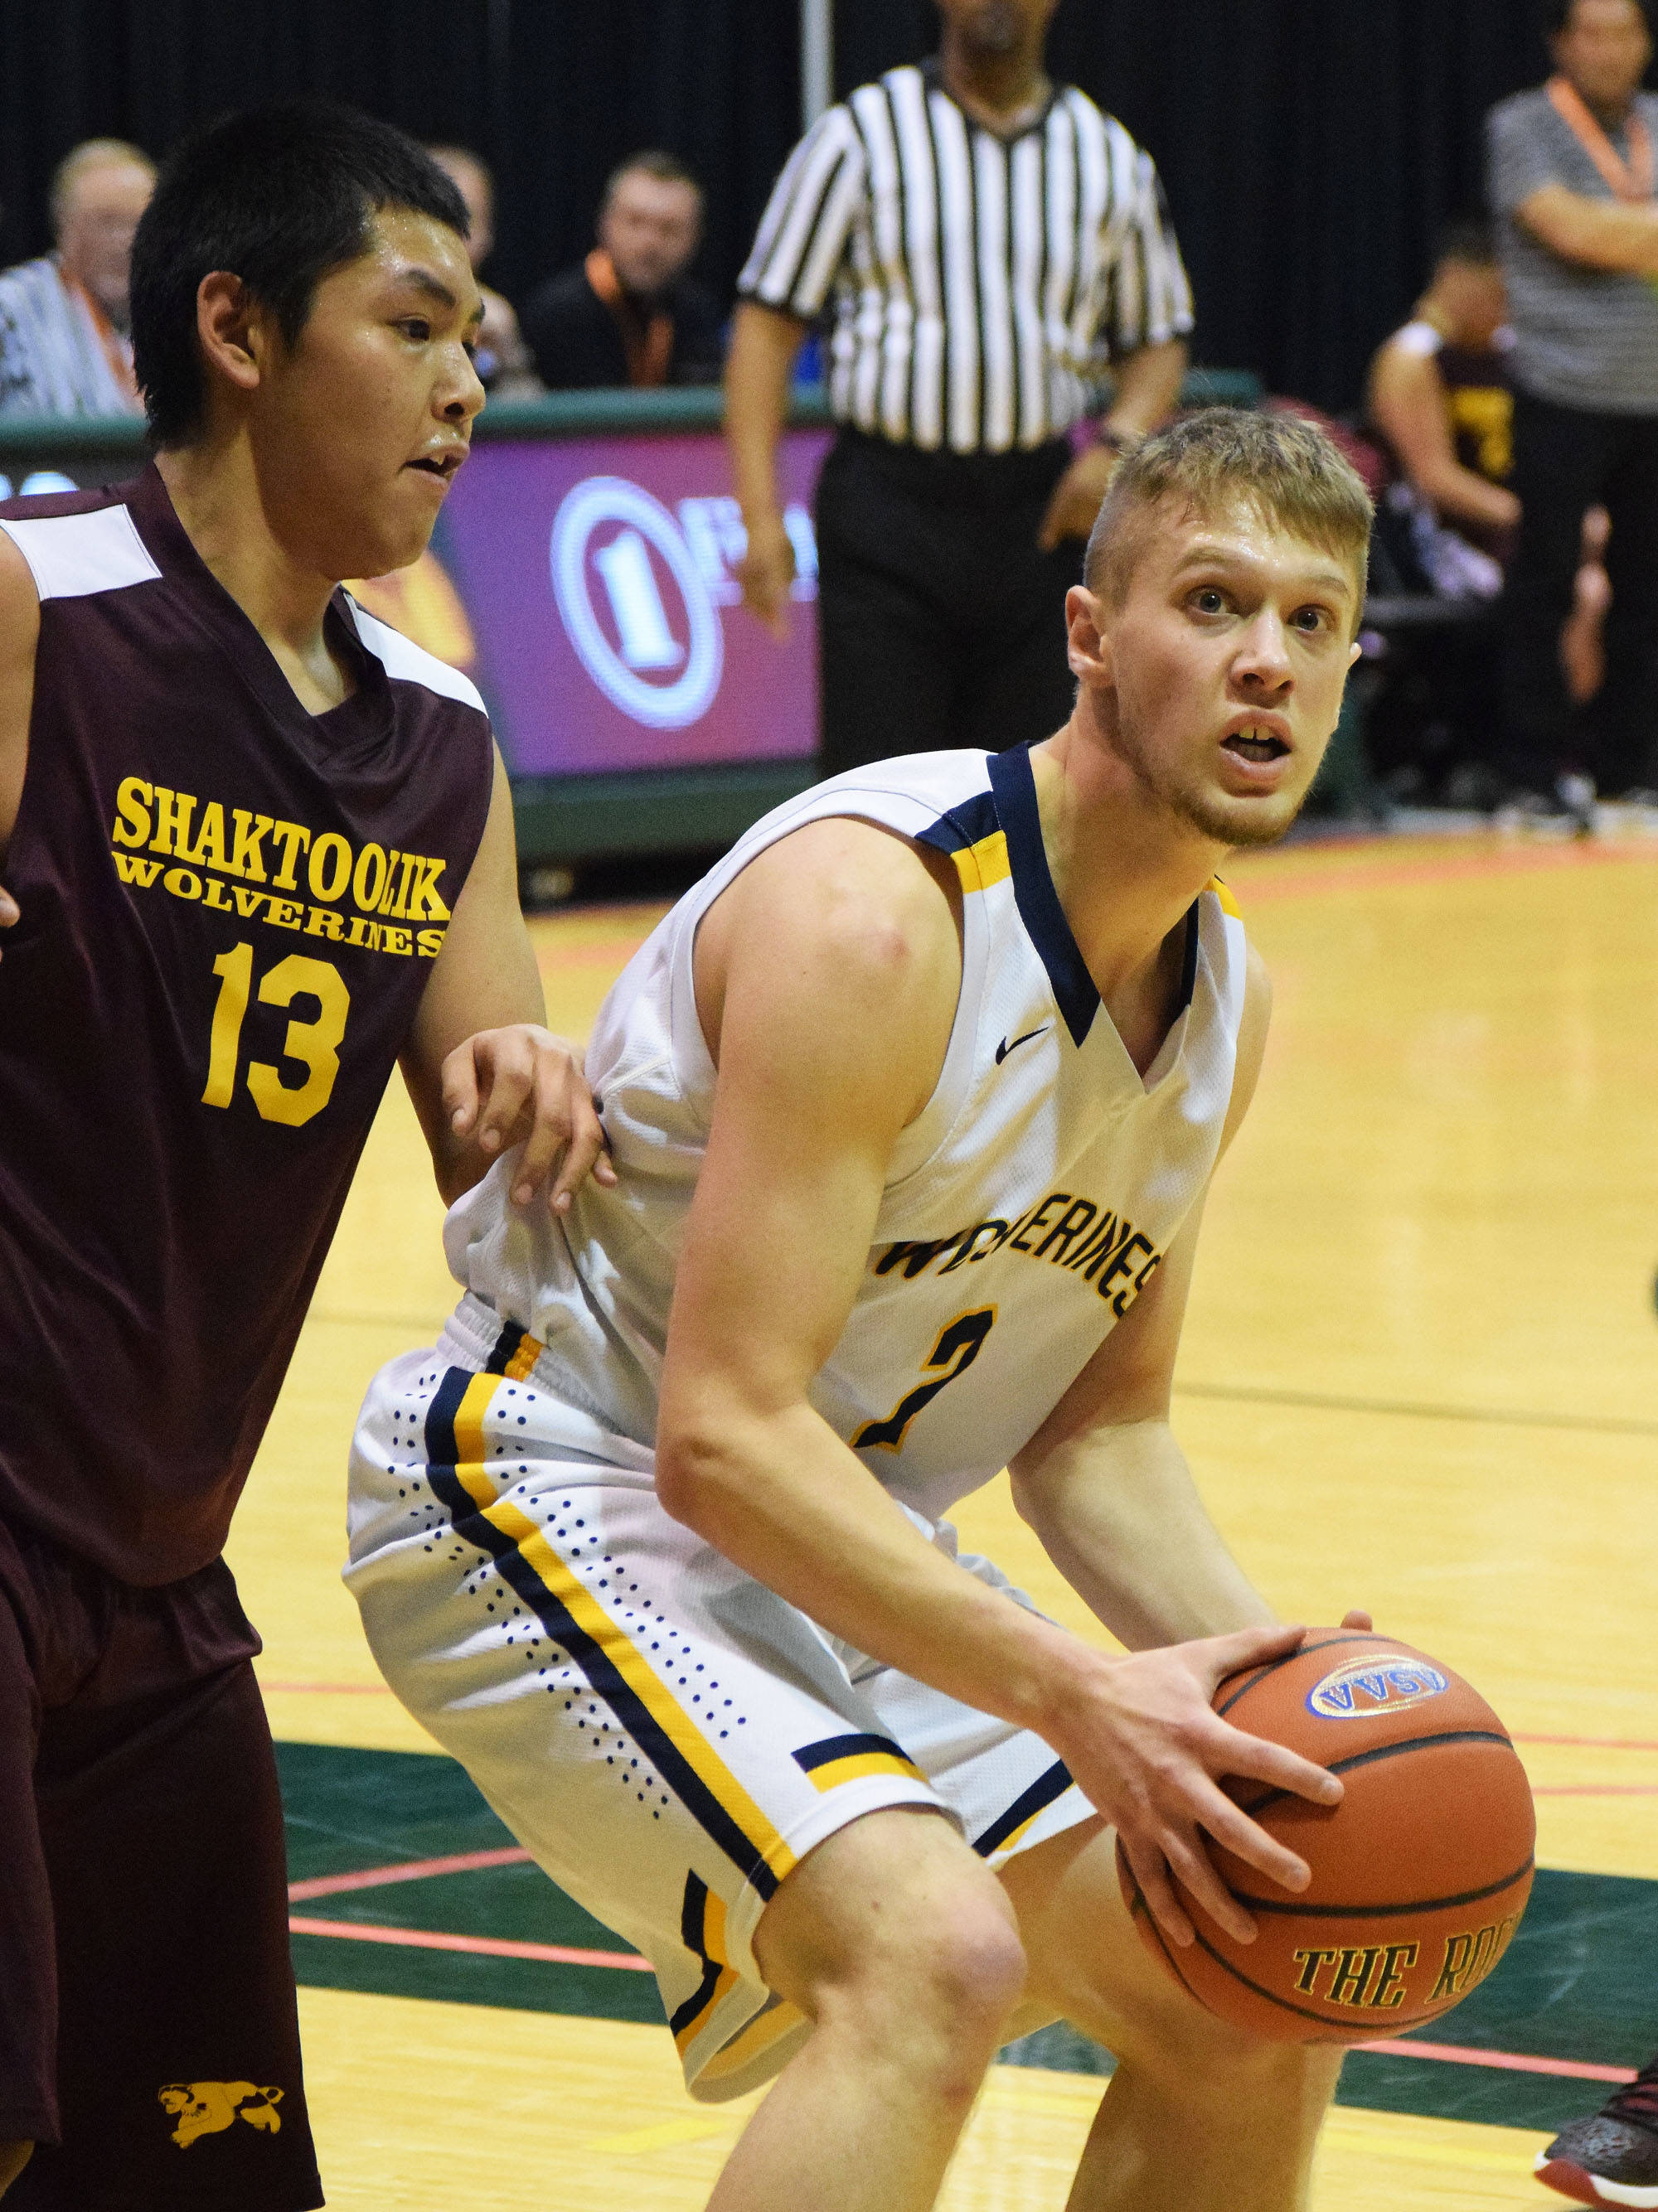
[{"x": 1579, "y": 1981}]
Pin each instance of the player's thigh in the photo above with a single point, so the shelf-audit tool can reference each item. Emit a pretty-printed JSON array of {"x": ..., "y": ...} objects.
[
  {"x": 28, "y": 2016},
  {"x": 1086, "y": 1965},
  {"x": 179, "y": 2058}
]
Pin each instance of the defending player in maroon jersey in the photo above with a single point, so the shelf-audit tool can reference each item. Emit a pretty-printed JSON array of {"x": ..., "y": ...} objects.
[{"x": 258, "y": 849}]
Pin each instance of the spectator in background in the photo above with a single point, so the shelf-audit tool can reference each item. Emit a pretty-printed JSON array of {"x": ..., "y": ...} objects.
[
  {"x": 1572, "y": 177},
  {"x": 630, "y": 314},
  {"x": 502, "y": 360},
  {"x": 64, "y": 346},
  {"x": 979, "y": 230},
  {"x": 1439, "y": 393}
]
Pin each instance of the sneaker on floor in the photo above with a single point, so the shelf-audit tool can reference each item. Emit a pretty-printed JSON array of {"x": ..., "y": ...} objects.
[{"x": 1612, "y": 2157}]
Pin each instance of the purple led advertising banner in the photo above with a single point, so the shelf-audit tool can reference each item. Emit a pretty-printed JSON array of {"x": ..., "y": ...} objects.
[{"x": 587, "y": 586}]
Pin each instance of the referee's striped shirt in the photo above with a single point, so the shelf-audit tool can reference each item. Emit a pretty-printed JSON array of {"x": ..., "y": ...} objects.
[{"x": 976, "y": 280}]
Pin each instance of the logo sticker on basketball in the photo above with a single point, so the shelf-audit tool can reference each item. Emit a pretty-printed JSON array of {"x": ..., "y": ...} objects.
[{"x": 1360, "y": 1688}]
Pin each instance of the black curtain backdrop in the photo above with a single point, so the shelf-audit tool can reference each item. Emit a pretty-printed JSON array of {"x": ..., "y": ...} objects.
[{"x": 1310, "y": 148}]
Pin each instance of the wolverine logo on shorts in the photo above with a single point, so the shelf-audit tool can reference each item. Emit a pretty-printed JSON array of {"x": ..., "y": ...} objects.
[{"x": 208, "y": 2108}]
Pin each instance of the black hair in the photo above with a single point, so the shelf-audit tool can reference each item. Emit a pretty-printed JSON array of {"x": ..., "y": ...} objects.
[
  {"x": 278, "y": 196},
  {"x": 1553, "y": 15},
  {"x": 1471, "y": 238}
]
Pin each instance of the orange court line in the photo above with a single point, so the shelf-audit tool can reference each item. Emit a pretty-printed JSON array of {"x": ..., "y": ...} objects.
[
  {"x": 1597, "y": 1789},
  {"x": 333, "y": 1885},
  {"x": 487, "y": 1946},
  {"x": 1511, "y": 2062},
  {"x": 1588, "y": 1742}
]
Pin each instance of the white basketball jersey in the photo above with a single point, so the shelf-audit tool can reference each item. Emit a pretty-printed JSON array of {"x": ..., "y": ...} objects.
[{"x": 1025, "y": 1208}]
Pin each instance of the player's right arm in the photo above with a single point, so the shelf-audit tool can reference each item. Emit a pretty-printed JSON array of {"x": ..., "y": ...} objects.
[
  {"x": 1618, "y": 235},
  {"x": 20, "y": 630},
  {"x": 826, "y": 983}
]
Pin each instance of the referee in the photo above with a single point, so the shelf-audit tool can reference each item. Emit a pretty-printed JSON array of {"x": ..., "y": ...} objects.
[{"x": 980, "y": 231}]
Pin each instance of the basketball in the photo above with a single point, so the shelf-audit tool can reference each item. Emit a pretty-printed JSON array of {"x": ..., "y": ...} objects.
[{"x": 1420, "y": 1875}]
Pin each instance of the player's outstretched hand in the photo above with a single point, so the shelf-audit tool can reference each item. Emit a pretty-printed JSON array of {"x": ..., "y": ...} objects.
[
  {"x": 9, "y": 909},
  {"x": 524, "y": 1085},
  {"x": 1149, "y": 1753}
]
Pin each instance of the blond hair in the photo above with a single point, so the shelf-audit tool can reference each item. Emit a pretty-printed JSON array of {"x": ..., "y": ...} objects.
[
  {"x": 1285, "y": 468},
  {"x": 82, "y": 159}
]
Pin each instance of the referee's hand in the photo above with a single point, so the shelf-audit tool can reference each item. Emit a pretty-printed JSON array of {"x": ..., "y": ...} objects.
[
  {"x": 1076, "y": 497},
  {"x": 766, "y": 572}
]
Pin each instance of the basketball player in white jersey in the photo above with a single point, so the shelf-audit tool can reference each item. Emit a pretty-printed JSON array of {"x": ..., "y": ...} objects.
[{"x": 914, "y": 1100}]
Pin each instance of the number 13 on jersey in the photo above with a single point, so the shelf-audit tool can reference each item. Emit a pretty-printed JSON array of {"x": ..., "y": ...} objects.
[{"x": 314, "y": 1045}]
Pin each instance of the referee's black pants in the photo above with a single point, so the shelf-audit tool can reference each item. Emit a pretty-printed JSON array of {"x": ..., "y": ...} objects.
[
  {"x": 1566, "y": 460},
  {"x": 941, "y": 623}
]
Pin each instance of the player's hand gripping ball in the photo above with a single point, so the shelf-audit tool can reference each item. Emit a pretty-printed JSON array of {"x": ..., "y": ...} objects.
[{"x": 1419, "y": 1876}]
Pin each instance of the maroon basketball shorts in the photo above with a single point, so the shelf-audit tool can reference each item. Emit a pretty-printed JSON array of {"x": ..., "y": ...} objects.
[{"x": 148, "y": 2034}]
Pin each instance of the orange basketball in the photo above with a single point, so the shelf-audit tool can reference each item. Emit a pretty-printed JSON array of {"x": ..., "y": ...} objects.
[{"x": 1419, "y": 1876}]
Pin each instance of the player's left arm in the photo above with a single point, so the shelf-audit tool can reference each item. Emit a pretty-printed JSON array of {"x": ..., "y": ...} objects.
[
  {"x": 1104, "y": 1482},
  {"x": 481, "y": 1067}
]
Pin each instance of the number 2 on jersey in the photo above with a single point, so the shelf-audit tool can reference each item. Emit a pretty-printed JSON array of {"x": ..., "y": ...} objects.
[
  {"x": 959, "y": 1343},
  {"x": 314, "y": 1045}
]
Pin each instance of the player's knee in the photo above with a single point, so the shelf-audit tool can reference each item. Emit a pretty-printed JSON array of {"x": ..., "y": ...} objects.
[
  {"x": 14, "y": 2157},
  {"x": 950, "y": 1963}
]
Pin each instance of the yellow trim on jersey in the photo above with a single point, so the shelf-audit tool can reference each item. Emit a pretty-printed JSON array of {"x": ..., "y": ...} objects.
[
  {"x": 629, "y": 1663},
  {"x": 521, "y": 1363},
  {"x": 983, "y": 864},
  {"x": 1010, "y": 1843},
  {"x": 860, "y": 1763},
  {"x": 725, "y": 1981},
  {"x": 472, "y": 1472},
  {"x": 762, "y": 2031},
  {"x": 1228, "y": 904}
]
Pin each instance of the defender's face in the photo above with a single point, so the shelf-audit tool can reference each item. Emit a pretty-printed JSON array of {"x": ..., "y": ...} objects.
[
  {"x": 361, "y": 425},
  {"x": 1604, "y": 50},
  {"x": 1220, "y": 675}
]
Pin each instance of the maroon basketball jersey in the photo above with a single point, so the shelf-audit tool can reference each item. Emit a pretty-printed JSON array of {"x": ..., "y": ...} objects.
[{"x": 229, "y": 910}]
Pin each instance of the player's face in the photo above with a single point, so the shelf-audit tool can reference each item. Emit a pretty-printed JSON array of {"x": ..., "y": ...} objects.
[
  {"x": 361, "y": 425},
  {"x": 1219, "y": 679},
  {"x": 1604, "y": 50}
]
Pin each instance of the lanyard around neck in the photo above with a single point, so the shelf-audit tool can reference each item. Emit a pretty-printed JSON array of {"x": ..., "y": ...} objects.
[{"x": 1629, "y": 180}]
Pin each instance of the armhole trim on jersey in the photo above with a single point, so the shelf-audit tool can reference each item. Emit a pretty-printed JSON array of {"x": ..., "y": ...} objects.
[
  {"x": 71, "y": 556},
  {"x": 1074, "y": 990}
]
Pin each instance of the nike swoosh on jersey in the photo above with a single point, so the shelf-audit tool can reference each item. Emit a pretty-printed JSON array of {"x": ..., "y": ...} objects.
[{"x": 1004, "y": 1048}]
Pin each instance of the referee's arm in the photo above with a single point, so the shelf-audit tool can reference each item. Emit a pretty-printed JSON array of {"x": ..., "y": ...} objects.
[{"x": 764, "y": 342}]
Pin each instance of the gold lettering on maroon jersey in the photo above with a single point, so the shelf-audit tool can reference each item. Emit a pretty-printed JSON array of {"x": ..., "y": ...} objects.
[{"x": 254, "y": 848}]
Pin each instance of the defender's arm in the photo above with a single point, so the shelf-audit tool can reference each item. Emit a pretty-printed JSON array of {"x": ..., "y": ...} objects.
[
  {"x": 20, "y": 631},
  {"x": 482, "y": 1070},
  {"x": 827, "y": 976}
]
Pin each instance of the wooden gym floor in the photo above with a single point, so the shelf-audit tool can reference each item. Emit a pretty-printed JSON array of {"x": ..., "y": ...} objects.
[{"x": 1420, "y": 1375}]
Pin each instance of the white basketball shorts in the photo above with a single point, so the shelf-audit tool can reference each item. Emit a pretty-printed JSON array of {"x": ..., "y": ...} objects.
[{"x": 663, "y": 1734}]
